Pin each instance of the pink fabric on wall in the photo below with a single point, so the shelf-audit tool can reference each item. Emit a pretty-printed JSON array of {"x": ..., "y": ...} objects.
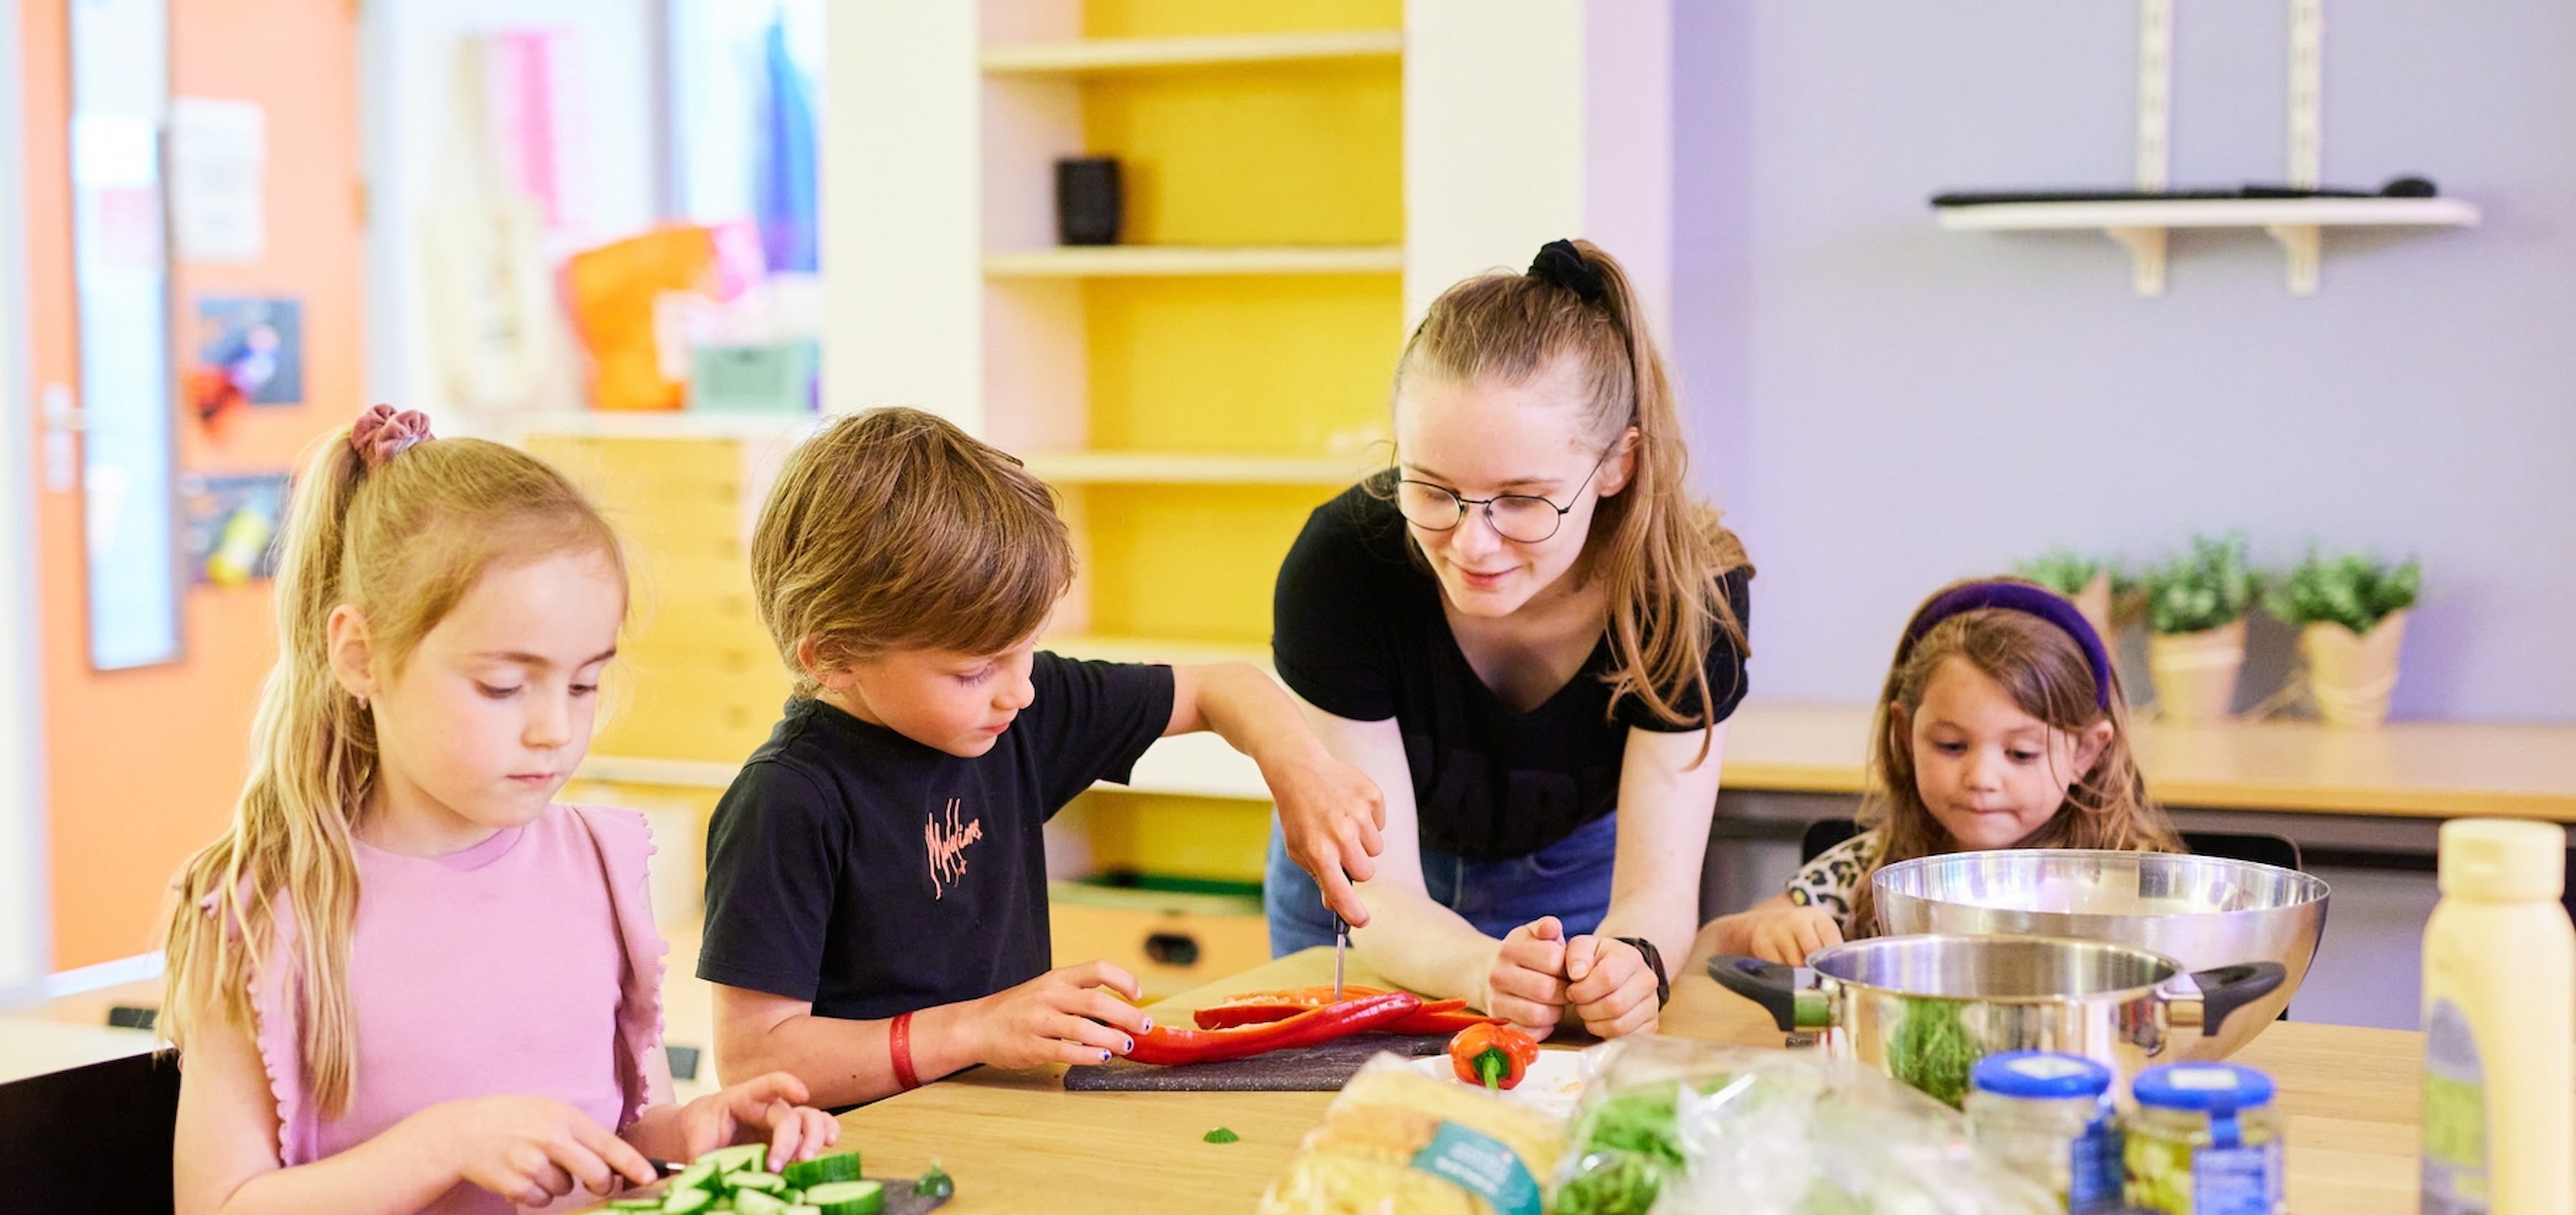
[{"x": 527, "y": 964}]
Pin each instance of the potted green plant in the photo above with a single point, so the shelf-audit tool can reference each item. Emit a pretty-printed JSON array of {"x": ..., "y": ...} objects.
[
  {"x": 2086, "y": 580},
  {"x": 2195, "y": 608},
  {"x": 2351, "y": 615}
]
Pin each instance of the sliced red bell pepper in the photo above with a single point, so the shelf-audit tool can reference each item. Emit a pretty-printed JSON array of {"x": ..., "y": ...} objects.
[
  {"x": 1164, "y": 1045},
  {"x": 1436, "y": 1018},
  {"x": 1442, "y": 1018},
  {"x": 1263, "y": 1007},
  {"x": 1496, "y": 1056}
]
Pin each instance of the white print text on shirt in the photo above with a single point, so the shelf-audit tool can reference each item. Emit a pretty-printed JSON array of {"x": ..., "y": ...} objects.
[{"x": 945, "y": 840}]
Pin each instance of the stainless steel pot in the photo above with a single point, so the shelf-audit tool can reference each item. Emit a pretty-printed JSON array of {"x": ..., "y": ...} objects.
[
  {"x": 2200, "y": 911},
  {"x": 1924, "y": 1009}
]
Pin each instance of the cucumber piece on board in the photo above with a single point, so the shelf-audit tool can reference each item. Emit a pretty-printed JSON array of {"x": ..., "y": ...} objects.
[
  {"x": 847, "y": 1197},
  {"x": 839, "y": 1166},
  {"x": 801, "y": 1209},
  {"x": 635, "y": 1204},
  {"x": 766, "y": 1183},
  {"x": 755, "y": 1202},
  {"x": 686, "y": 1202},
  {"x": 695, "y": 1177},
  {"x": 742, "y": 1157}
]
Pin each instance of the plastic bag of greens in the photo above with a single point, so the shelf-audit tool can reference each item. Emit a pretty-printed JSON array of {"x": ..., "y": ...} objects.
[{"x": 1680, "y": 1128}]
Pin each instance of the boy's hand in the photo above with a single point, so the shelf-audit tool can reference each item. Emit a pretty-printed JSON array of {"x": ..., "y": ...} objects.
[
  {"x": 1333, "y": 818},
  {"x": 1526, "y": 984},
  {"x": 1610, "y": 985},
  {"x": 532, "y": 1150},
  {"x": 1062, "y": 1016},
  {"x": 1789, "y": 934},
  {"x": 770, "y": 1107}
]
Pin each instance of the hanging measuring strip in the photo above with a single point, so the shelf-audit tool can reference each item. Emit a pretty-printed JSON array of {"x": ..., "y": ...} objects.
[{"x": 2307, "y": 92}]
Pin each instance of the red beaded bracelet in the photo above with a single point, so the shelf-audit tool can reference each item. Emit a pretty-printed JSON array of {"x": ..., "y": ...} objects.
[{"x": 899, "y": 1044}]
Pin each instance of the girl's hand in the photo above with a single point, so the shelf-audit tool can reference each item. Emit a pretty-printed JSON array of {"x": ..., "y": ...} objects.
[
  {"x": 1787, "y": 935},
  {"x": 770, "y": 1106},
  {"x": 1526, "y": 983},
  {"x": 533, "y": 1150},
  {"x": 1062, "y": 1016},
  {"x": 1611, "y": 986},
  {"x": 1333, "y": 819}
]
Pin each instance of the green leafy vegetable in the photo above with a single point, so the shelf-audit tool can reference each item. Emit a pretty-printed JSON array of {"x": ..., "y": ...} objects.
[
  {"x": 2209, "y": 587},
  {"x": 2351, "y": 590},
  {"x": 1933, "y": 1049},
  {"x": 1629, "y": 1142},
  {"x": 1221, "y": 1135}
]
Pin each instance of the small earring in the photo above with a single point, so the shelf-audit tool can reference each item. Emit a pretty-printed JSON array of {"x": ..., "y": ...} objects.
[{"x": 362, "y": 700}]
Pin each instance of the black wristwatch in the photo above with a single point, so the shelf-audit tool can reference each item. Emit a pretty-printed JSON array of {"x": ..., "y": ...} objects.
[{"x": 1655, "y": 959}]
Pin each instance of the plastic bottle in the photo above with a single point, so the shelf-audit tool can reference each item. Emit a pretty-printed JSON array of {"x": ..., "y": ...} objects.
[{"x": 2500, "y": 1024}]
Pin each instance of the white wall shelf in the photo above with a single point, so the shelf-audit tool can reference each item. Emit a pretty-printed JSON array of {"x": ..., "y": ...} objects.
[
  {"x": 2140, "y": 225},
  {"x": 1115, "y": 261},
  {"x": 1192, "y": 468},
  {"x": 1088, "y": 55}
]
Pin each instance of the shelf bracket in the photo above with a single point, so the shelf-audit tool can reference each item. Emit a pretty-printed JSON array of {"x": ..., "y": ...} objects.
[
  {"x": 2146, "y": 248},
  {"x": 2300, "y": 243}
]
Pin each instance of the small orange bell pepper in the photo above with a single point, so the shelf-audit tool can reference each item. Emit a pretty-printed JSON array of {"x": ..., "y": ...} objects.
[{"x": 1495, "y": 1055}]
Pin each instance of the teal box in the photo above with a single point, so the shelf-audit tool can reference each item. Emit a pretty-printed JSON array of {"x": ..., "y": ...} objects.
[{"x": 754, "y": 379}]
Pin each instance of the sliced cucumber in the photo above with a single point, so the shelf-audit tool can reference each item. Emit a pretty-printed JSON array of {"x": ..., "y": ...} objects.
[
  {"x": 839, "y": 1166},
  {"x": 685, "y": 1201},
  {"x": 742, "y": 1157},
  {"x": 766, "y": 1183},
  {"x": 847, "y": 1197},
  {"x": 697, "y": 1176},
  {"x": 634, "y": 1204},
  {"x": 801, "y": 1209},
  {"x": 754, "y": 1202}
]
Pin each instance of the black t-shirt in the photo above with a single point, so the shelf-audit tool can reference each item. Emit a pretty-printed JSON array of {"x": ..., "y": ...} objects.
[
  {"x": 1359, "y": 632},
  {"x": 853, "y": 867}
]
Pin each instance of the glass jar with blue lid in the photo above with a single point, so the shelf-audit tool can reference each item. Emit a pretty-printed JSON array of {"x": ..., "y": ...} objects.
[
  {"x": 2205, "y": 1140},
  {"x": 2048, "y": 1117}
]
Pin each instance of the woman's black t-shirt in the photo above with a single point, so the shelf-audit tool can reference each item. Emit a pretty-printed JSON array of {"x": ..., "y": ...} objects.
[{"x": 1358, "y": 630}]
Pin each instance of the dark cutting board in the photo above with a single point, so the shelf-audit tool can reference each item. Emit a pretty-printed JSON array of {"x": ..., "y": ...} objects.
[{"x": 1307, "y": 1069}]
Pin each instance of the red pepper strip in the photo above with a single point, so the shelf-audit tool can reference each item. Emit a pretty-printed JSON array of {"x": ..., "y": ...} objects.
[
  {"x": 1442, "y": 1018},
  {"x": 1263, "y": 1007},
  {"x": 1496, "y": 1056},
  {"x": 1162, "y": 1045}
]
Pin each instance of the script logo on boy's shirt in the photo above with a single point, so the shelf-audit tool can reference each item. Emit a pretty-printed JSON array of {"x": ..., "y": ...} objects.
[{"x": 944, "y": 838}]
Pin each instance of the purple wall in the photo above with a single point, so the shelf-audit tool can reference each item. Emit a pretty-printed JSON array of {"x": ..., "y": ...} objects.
[{"x": 1883, "y": 406}]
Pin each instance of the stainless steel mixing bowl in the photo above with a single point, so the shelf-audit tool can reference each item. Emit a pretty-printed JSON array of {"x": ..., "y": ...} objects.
[{"x": 2203, "y": 912}]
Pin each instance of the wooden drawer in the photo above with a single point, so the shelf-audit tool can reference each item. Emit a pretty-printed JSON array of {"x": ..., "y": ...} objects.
[{"x": 1171, "y": 943}]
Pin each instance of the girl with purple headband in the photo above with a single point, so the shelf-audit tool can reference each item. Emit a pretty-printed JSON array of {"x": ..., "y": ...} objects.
[{"x": 2002, "y": 726}]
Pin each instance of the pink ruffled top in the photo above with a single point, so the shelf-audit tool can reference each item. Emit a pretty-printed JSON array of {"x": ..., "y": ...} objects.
[{"x": 527, "y": 964}]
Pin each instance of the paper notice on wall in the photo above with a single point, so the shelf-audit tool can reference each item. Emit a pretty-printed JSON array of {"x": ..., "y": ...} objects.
[{"x": 218, "y": 171}]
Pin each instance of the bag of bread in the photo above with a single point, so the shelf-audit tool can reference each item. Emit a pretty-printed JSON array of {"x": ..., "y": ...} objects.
[{"x": 1400, "y": 1142}]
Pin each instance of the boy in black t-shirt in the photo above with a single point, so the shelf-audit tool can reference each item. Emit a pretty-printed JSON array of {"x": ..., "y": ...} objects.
[{"x": 876, "y": 875}]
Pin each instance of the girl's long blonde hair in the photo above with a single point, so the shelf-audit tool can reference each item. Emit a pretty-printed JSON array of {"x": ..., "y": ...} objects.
[
  {"x": 2046, "y": 673},
  {"x": 1657, "y": 548},
  {"x": 402, "y": 543}
]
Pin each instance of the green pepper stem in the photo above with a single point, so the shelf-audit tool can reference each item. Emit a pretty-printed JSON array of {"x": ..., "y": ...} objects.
[{"x": 1491, "y": 1064}]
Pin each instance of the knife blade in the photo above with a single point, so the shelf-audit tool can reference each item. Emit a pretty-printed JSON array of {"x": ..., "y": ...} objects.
[{"x": 1341, "y": 943}]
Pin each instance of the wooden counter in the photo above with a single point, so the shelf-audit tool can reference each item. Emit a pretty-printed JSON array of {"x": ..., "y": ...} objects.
[
  {"x": 1016, "y": 1141},
  {"x": 2415, "y": 769}
]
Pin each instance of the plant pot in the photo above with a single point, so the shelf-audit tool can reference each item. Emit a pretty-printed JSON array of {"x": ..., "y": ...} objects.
[
  {"x": 2195, "y": 673},
  {"x": 2095, "y": 602},
  {"x": 2351, "y": 674}
]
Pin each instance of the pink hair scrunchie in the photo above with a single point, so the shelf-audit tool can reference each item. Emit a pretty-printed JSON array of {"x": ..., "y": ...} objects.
[{"x": 381, "y": 433}]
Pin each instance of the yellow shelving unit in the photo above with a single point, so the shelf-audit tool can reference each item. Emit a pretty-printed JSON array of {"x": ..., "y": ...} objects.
[
  {"x": 1224, "y": 50},
  {"x": 1164, "y": 261}
]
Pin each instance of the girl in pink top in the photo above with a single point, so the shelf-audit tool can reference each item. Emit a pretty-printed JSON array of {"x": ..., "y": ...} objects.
[{"x": 404, "y": 979}]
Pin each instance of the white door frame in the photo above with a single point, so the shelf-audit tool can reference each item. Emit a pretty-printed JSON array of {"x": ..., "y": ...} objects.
[{"x": 26, "y": 903}]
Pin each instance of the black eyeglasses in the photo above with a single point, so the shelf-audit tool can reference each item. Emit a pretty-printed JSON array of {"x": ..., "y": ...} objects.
[{"x": 1525, "y": 518}]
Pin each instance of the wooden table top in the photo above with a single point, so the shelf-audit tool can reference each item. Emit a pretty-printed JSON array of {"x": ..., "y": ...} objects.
[
  {"x": 1016, "y": 1141},
  {"x": 2426, "y": 769}
]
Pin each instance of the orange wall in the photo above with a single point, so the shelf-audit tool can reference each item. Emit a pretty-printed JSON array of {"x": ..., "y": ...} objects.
[{"x": 143, "y": 765}]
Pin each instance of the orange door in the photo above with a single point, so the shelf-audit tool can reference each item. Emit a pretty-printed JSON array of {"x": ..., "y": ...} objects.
[{"x": 143, "y": 765}]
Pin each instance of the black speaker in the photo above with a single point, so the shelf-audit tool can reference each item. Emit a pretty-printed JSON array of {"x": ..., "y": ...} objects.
[{"x": 1088, "y": 207}]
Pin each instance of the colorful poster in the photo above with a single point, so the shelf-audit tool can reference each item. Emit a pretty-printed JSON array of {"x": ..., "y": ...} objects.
[
  {"x": 251, "y": 347},
  {"x": 232, "y": 525}
]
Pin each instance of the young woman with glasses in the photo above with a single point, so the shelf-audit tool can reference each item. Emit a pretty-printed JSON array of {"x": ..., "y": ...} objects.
[{"x": 1531, "y": 635}]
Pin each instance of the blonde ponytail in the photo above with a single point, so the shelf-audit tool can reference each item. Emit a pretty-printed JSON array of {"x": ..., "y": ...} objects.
[
  {"x": 1658, "y": 550},
  {"x": 402, "y": 543}
]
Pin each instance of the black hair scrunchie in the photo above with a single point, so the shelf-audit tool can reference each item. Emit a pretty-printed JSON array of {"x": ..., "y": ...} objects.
[{"x": 1559, "y": 262}]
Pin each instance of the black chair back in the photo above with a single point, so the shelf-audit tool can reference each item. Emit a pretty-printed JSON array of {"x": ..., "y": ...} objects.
[
  {"x": 1822, "y": 835},
  {"x": 2260, "y": 847},
  {"x": 94, "y": 1138}
]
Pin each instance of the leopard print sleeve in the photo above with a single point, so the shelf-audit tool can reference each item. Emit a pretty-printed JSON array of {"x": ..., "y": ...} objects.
[{"x": 1829, "y": 880}]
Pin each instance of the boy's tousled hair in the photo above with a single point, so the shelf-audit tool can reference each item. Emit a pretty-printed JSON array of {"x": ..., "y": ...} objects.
[
  {"x": 2047, "y": 674},
  {"x": 1657, "y": 549},
  {"x": 403, "y": 543},
  {"x": 894, "y": 529}
]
